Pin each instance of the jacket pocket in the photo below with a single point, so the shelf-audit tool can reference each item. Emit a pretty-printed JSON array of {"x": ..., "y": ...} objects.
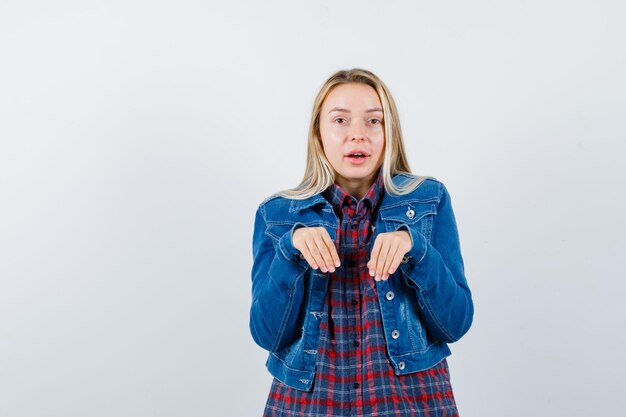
[{"x": 418, "y": 216}]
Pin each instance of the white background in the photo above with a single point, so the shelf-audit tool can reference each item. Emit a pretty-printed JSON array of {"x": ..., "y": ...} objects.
[{"x": 138, "y": 137}]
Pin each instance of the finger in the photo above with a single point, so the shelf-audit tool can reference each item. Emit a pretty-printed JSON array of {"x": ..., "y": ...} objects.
[
  {"x": 384, "y": 250},
  {"x": 314, "y": 252},
  {"x": 332, "y": 249},
  {"x": 324, "y": 253},
  {"x": 332, "y": 258},
  {"x": 393, "y": 249},
  {"x": 396, "y": 260},
  {"x": 374, "y": 256},
  {"x": 307, "y": 256}
]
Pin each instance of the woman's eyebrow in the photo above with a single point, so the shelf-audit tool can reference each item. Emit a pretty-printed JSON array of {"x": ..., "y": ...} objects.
[{"x": 348, "y": 111}]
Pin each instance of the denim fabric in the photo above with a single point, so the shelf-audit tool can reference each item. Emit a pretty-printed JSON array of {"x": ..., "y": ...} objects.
[{"x": 432, "y": 304}]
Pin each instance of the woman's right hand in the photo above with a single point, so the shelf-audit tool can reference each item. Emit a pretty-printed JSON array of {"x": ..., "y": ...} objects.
[{"x": 317, "y": 247}]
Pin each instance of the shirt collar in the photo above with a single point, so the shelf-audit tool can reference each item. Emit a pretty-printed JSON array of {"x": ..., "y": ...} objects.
[{"x": 339, "y": 198}]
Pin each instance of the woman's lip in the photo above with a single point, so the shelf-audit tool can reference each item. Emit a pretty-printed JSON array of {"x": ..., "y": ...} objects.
[{"x": 356, "y": 161}]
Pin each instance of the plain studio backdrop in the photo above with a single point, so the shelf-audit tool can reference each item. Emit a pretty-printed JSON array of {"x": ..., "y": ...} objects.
[{"x": 139, "y": 137}]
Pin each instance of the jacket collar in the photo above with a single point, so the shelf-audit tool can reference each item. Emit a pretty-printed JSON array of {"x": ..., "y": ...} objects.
[
  {"x": 338, "y": 197},
  {"x": 388, "y": 199}
]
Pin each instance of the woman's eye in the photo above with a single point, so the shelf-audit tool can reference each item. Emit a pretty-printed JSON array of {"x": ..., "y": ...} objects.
[
  {"x": 377, "y": 121},
  {"x": 338, "y": 120}
]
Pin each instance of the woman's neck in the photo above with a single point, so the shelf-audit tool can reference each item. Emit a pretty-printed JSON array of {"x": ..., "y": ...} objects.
[{"x": 356, "y": 187}]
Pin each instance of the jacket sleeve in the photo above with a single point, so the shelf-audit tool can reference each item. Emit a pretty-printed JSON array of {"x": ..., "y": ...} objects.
[
  {"x": 436, "y": 270},
  {"x": 277, "y": 287}
]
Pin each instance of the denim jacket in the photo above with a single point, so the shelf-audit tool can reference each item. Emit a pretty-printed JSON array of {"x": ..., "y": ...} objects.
[{"x": 425, "y": 304}]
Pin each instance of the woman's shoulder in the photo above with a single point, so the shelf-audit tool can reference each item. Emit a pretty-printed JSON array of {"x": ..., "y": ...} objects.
[
  {"x": 275, "y": 200},
  {"x": 279, "y": 203},
  {"x": 403, "y": 177},
  {"x": 420, "y": 185}
]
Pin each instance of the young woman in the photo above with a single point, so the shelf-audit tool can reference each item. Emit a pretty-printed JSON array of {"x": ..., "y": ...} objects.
[{"x": 358, "y": 283}]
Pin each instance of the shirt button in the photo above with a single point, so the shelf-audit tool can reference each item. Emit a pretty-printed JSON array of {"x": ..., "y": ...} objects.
[
  {"x": 395, "y": 334},
  {"x": 356, "y": 385},
  {"x": 354, "y": 302},
  {"x": 389, "y": 295},
  {"x": 401, "y": 365},
  {"x": 356, "y": 343},
  {"x": 354, "y": 225}
]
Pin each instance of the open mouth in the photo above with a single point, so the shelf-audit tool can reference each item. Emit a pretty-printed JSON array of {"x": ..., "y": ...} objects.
[{"x": 357, "y": 158}]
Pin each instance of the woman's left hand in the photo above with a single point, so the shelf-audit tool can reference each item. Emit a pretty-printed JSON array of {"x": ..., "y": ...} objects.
[{"x": 387, "y": 253}]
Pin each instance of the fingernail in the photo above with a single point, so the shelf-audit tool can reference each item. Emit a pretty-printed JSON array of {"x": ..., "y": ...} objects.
[
  {"x": 332, "y": 269},
  {"x": 338, "y": 264},
  {"x": 371, "y": 272}
]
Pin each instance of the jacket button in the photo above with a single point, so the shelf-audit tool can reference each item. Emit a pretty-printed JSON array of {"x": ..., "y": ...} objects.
[
  {"x": 301, "y": 256},
  {"x": 410, "y": 213},
  {"x": 356, "y": 343},
  {"x": 389, "y": 295},
  {"x": 405, "y": 259},
  {"x": 395, "y": 334},
  {"x": 401, "y": 365}
]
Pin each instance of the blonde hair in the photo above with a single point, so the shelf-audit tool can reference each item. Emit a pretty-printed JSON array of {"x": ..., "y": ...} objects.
[{"x": 319, "y": 173}]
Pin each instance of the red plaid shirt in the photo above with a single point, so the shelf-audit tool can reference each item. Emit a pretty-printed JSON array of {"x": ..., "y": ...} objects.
[{"x": 353, "y": 374}]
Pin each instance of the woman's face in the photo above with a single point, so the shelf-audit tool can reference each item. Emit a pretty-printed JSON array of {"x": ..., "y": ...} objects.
[{"x": 351, "y": 120}]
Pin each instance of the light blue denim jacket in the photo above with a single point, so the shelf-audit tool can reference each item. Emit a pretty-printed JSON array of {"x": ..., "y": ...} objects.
[{"x": 425, "y": 304}]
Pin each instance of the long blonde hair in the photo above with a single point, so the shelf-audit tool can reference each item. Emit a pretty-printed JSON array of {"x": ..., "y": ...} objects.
[{"x": 319, "y": 173}]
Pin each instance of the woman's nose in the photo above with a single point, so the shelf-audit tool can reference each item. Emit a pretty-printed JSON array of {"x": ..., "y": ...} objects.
[{"x": 357, "y": 133}]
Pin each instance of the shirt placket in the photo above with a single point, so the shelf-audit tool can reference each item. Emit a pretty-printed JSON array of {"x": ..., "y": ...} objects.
[{"x": 352, "y": 228}]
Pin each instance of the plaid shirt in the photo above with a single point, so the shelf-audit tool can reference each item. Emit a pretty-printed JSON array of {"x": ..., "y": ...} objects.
[{"x": 353, "y": 374}]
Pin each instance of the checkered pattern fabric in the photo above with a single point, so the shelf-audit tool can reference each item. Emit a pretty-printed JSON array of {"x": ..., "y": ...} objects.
[{"x": 353, "y": 374}]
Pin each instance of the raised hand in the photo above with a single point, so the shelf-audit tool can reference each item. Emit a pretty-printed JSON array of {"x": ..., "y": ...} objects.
[
  {"x": 317, "y": 247},
  {"x": 387, "y": 252}
]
